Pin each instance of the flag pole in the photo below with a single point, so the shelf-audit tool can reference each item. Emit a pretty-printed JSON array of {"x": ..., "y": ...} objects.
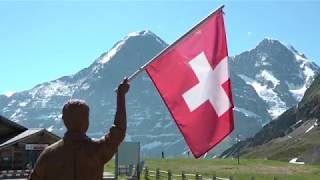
[{"x": 137, "y": 72}]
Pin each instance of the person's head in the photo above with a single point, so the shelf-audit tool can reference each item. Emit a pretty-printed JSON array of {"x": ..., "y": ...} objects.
[{"x": 75, "y": 115}]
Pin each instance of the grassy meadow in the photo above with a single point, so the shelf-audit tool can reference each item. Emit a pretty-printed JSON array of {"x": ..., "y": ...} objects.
[{"x": 260, "y": 169}]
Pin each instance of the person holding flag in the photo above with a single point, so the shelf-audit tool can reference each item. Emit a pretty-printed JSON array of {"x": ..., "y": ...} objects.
[
  {"x": 198, "y": 97},
  {"x": 76, "y": 156}
]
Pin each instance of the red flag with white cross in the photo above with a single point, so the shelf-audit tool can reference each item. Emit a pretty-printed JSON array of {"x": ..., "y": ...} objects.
[{"x": 193, "y": 80}]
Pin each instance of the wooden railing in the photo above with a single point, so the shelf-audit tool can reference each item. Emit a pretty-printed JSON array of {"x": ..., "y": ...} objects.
[
  {"x": 160, "y": 174},
  {"x": 7, "y": 174}
]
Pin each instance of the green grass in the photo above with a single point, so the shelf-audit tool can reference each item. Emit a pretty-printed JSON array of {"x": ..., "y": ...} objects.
[
  {"x": 260, "y": 169},
  {"x": 303, "y": 146}
]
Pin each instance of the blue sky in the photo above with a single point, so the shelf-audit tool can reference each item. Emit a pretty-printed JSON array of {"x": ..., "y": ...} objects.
[{"x": 42, "y": 41}]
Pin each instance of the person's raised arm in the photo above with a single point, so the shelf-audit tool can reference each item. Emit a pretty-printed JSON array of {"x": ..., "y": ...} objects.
[
  {"x": 120, "y": 120},
  {"x": 118, "y": 131}
]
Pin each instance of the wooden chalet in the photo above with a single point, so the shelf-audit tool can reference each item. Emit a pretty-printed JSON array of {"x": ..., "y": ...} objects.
[{"x": 20, "y": 146}]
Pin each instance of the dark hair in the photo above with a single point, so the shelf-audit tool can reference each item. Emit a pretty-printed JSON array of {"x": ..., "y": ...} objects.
[
  {"x": 75, "y": 106},
  {"x": 73, "y": 111}
]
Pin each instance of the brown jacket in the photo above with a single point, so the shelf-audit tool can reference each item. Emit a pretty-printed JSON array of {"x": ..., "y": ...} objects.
[{"x": 77, "y": 157}]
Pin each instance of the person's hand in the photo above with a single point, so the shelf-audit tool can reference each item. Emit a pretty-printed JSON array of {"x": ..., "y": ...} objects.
[{"x": 123, "y": 88}]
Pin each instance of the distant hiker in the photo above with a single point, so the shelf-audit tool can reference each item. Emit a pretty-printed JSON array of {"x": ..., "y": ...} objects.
[
  {"x": 162, "y": 155},
  {"x": 76, "y": 156}
]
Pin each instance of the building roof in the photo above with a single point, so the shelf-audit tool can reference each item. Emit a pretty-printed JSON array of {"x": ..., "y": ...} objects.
[
  {"x": 9, "y": 129},
  {"x": 12, "y": 124},
  {"x": 27, "y": 133}
]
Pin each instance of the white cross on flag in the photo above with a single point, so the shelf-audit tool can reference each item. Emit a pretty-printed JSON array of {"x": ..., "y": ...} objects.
[{"x": 193, "y": 80}]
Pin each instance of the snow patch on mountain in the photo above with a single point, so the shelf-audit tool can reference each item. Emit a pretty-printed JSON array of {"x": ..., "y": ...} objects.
[
  {"x": 132, "y": 34},
  {"x": 53, "y": 88},
  {"x": 275, "y": 104},
  {"x": 85, "y": 86},
  {"x": 315, "y": 124},
  {"x": 266, "y": 75},
  {"x": 55, "y": 116},
  {"x": 140, "y": 33},
  {"x": 12, "y": 102},
  {"x": 263, "y": 60},
  {"x": 309, "y": 74},
  {"x": 23, "y": 104},
  {"x": 299, "y": 92},
  {"x": 9, "y": 94},
  {"x": 18, "y": 115},
  {"x": 246, "y": 112},
  {"x": 50, "y": 129},
  {"x": 113, "y": 51}
]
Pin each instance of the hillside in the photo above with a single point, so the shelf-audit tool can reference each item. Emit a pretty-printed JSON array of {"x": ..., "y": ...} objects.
[
  {"x": 295, "y": 134},
  {"x": 224, "y": 168}
]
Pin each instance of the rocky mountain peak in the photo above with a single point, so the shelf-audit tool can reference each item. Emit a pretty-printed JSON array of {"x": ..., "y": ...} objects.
[
  {"x": 270, "y": 42},
  {"x": 132, "y": 39},
  {"x": 278, "y": 73}
]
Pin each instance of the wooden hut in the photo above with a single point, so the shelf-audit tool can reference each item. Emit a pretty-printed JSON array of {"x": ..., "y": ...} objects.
[{"x": 19, "y": 146}]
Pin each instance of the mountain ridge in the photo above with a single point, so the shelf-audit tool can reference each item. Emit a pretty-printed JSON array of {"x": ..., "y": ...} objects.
[{"x": 148, "y": 119}]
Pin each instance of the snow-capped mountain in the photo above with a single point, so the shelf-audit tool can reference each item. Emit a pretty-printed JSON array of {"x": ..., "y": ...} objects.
[
  {"x": 266, "y": 81},
  {"x": 278, "y": 73}
]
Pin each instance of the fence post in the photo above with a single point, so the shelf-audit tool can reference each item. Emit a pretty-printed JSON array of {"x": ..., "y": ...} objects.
[
  {"x": 146, "y": 173},
  {"x": 169, "y": 175},
  {"x": 198, "y": 176},
  {"x": 214, "y": 177},
  {"x": 183, "y": 176},
  {"x": 158, "y": 174},
  {"x": 231, "y": 178}
]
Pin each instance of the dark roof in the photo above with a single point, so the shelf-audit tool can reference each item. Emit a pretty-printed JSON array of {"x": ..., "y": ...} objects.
[
  {"x": 26, "y": 134},
  {"x": 12, "y": 124},
  {"x": 9, "y": 129}
]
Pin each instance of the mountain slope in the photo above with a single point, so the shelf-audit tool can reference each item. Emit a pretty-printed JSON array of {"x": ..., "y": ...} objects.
[
  {"x": 266, "y": 81},
  {"x": 278, "y": 73},
  {"x": 258, "y": 85},
  {"x": 295, "y": 134}
]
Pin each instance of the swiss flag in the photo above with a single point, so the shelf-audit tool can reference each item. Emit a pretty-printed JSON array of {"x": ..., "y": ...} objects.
[{"x": 192, "y": 78}]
